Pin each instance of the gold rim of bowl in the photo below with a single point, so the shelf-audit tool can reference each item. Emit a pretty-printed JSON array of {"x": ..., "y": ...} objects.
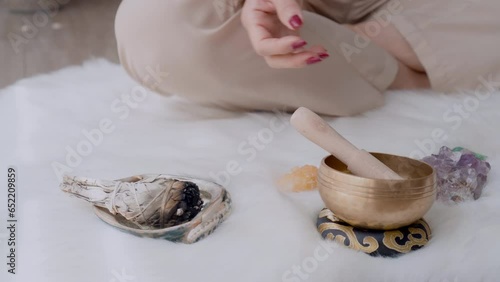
[
  {"x": 393, "y": 196},
  {"x": 416, "y": 173},
  {"x": 346, "y": 187},
  {"x": 377, "y": 189}
]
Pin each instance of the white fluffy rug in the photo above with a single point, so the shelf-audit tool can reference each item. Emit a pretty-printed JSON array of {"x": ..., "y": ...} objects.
[{"x": 270, "y": 236}]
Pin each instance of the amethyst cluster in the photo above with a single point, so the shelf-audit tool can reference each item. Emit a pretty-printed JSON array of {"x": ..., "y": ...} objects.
[{"x": 461, "y": 174}]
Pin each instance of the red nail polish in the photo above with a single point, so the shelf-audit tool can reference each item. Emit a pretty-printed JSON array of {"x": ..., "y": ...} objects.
[
  {"x": 323, "y": 55},
  {"x": 299, "y": 44},
  {"x": 296, "y": 22},
  {"x": 313, "y": 60}
]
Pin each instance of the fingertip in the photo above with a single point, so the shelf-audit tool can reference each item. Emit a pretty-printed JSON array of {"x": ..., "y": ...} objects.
[
  {"x": 299, "y": 44},
  {"x": 290, "y": 13},
  {"x": 296, "y": 22},
  {"x": 313, "y": 60},
  {"x": 320, "y": 51},
  {"x": 323, "y": 55}
]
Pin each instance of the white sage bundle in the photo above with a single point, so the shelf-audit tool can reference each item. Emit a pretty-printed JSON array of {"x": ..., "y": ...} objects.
[{"x": 150, "y": 201}]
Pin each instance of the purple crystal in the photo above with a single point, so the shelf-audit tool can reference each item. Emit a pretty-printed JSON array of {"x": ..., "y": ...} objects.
[{"x": 461, "y": 174}]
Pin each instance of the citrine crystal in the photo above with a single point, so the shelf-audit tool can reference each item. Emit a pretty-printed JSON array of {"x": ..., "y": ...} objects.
[{"x": 299, "y": 179}]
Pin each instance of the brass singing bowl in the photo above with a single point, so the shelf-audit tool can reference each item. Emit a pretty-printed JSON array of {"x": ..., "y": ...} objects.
[{"x": 378, "y": 203}]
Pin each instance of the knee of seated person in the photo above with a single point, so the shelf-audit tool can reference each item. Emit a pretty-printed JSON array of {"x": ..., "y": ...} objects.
[
  {"x": 166, "y": 42},
  {"x": 153, "y": 42}
]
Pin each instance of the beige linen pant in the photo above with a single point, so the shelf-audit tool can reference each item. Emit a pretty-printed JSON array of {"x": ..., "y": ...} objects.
[
  {"x": 457, "y": 41},
  {"x": 206, "y": 52}
]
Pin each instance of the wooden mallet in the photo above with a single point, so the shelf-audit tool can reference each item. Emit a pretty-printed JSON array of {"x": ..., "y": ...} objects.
[{"x": 359, "y": 162}]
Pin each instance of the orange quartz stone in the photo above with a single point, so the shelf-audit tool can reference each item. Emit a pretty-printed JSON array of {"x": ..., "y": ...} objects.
[{"x": 299, "y": 179}]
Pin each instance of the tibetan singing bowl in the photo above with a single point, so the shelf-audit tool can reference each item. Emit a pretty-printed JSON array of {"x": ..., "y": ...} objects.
[{"x": 378, "y": 203}]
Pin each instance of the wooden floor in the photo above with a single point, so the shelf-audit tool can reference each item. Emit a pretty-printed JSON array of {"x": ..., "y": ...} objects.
[{"x": 82, "y": 30}]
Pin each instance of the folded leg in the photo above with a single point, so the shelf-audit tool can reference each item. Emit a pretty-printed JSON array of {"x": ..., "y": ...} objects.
[{"x": 210, "y": 60}]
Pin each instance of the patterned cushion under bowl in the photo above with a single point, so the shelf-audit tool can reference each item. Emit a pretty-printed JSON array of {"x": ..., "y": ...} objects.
[{"x": 386, "y": 243}]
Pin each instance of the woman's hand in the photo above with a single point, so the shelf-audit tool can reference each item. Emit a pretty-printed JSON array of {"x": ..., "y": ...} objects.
[{"x": 273, "y": 27}]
